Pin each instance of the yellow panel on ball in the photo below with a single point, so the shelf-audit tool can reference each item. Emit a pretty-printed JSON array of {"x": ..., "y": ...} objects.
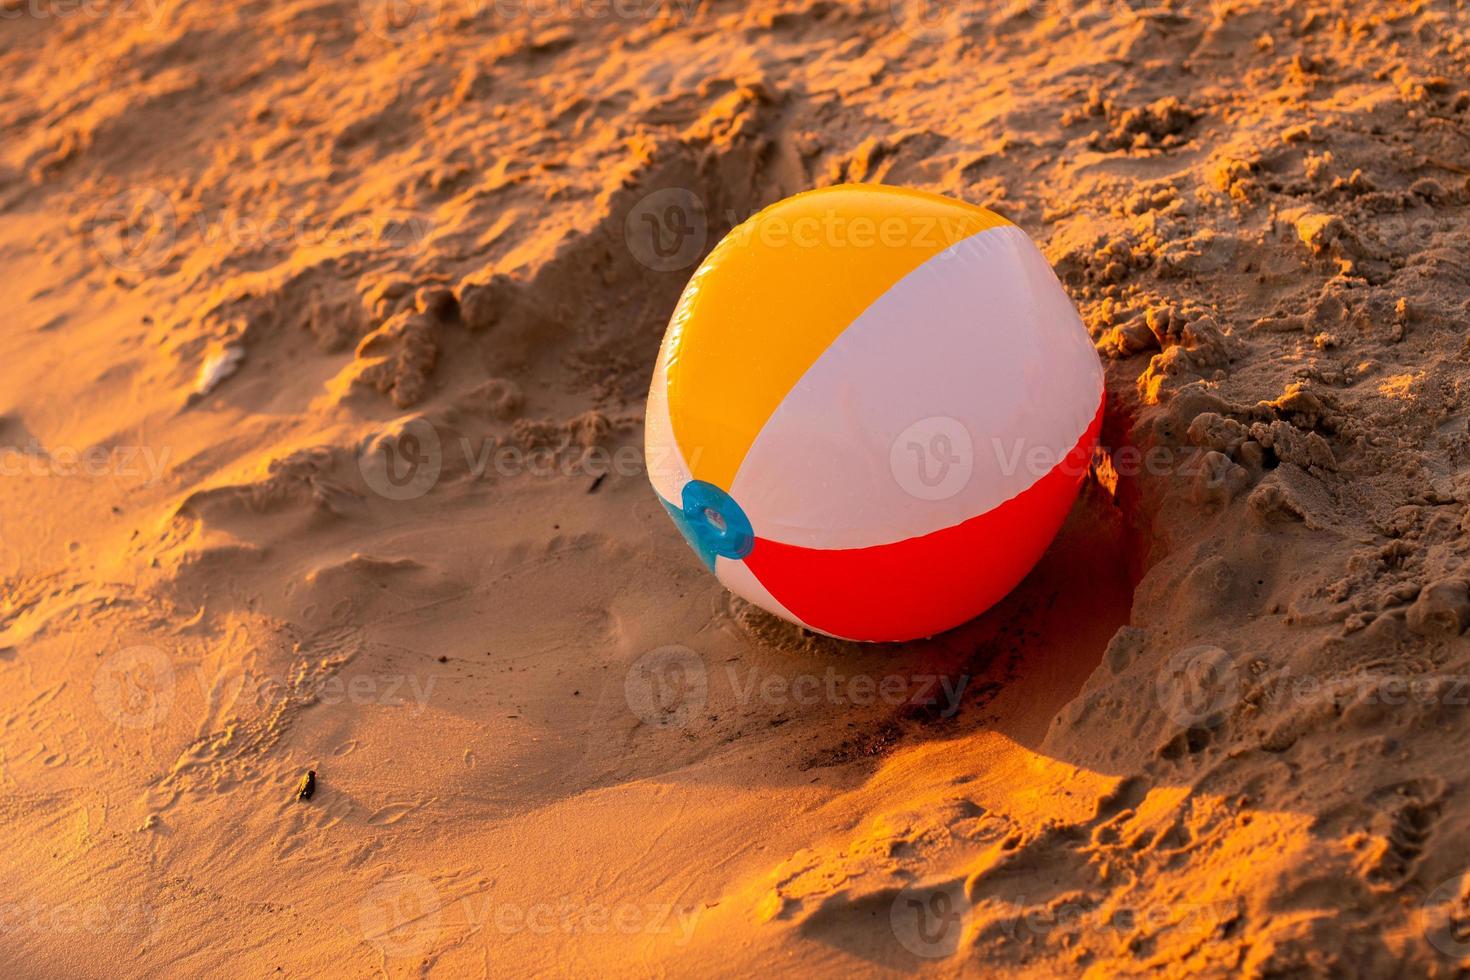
[{"x": 774, "y": 295}]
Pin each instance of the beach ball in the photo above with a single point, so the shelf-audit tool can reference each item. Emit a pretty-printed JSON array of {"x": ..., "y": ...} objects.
[{"x": 872, "y": 410}]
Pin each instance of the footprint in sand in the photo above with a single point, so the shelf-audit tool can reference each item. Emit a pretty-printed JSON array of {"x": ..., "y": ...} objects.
[{"x": 391, "y": 814}]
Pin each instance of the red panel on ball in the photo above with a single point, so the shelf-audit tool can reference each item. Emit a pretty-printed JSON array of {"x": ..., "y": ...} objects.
[{"x": 928, "y": 584}]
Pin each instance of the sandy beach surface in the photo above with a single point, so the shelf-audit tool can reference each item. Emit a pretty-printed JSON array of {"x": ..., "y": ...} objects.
[{"x": 326, "y": 335}]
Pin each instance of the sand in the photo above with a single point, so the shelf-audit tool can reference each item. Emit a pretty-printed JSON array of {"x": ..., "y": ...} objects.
[{"x": 327, "y": 331}]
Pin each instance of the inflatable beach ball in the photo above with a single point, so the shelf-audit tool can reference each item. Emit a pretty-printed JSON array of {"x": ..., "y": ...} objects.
[{"x": 872, "y": 410}]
